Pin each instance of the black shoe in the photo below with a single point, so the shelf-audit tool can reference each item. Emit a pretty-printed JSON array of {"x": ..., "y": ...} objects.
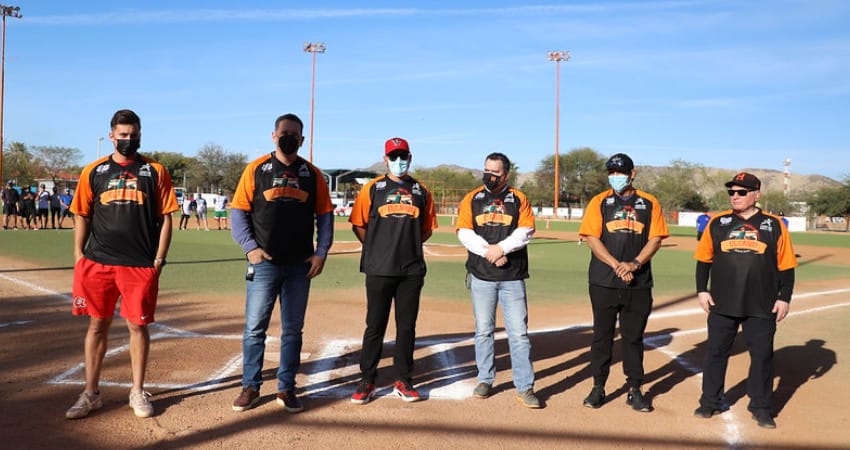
[
  {"x": 636, "y": 400},
  {"x": 596, "y": 397},
  {"x": 705, "y": 412},
  {"x": 764, "y": 418}
]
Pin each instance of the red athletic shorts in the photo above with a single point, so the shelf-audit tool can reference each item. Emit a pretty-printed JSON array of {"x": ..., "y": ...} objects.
[{"x": 98, "y": 286}]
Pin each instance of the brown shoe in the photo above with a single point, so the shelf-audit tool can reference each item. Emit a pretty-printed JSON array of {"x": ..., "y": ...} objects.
[
  {"x": 246, "y": 400},
  {"x": 289, "y": 401}
]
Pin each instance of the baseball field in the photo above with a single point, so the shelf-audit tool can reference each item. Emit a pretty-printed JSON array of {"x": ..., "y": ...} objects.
[{"x": 194, "y": 372}]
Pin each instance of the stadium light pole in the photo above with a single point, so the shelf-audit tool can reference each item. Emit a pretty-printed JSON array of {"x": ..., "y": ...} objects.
[
  {"x": 313, "y": 47},
  {"x": 558, "y": 56},
  {"x": 99, "y": 140},
  {"x": 5, "y": 11}
]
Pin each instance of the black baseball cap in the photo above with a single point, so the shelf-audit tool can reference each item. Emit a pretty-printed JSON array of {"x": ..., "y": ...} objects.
[
  {"x": 746, "y": 180},
  {"x": 620, "y": 162}
]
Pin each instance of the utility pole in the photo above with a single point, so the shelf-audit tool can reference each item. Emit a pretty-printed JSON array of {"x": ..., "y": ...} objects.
[
  {"x": 313, "y": 47},
  {"x": 5, "y": 11},
  {"x": 558, "y": 56}
]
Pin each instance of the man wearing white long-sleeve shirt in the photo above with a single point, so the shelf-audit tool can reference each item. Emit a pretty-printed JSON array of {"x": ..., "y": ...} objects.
[{"x": 495, "y": 224}]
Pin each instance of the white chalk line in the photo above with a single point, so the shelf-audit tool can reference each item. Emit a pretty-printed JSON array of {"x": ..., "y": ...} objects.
[{"x": 322, "y": 379}]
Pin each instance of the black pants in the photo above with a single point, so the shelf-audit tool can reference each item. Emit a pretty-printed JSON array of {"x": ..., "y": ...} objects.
[
  {"x": 633, "y": 307},
  {"x": 380, "y": 292},
  {"x": 758, "y": 334}
]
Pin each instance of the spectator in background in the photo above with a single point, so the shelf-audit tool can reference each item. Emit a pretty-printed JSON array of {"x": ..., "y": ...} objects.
[
  {"x": 201, "y": 212},
  {"x": 702, "y": 221},
  {"x": 42, "y": 203},
  {"x": 65, "y": 207},
  {"x": 26, "y": 209},
  {"x": 220, "y": 210},
  {"x": 10, "y": 197},
  {"x": 54, "y": 208},
  {"x": 185, "y": 213}
]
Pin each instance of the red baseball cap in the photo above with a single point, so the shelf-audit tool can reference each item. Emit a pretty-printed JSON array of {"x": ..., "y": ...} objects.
[{"x": 395, "y": 144}]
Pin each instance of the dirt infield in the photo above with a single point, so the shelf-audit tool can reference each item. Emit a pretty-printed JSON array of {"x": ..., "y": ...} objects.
[{"x": 195, "y": 371}]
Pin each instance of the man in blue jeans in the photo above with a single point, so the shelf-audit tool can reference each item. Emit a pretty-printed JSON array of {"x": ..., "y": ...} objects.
[
  {"x": 495, "y": 224},
  {"x": 281, "y": 200}
]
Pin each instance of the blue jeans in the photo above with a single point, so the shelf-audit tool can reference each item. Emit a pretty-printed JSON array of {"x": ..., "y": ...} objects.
[
  {"x": 486, "y": 295},
  {"x": 291, "y": 285}
]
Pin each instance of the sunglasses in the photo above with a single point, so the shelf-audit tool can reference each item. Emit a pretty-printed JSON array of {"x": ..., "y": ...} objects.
[
  {"x": 403, "y": 156},
  {"x": 740, "y": 192}
]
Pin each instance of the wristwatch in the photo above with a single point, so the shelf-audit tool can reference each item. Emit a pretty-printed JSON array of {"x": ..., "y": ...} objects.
[
  {"x": 637, "y": 263},
  {"x": 161, "y": 261}
]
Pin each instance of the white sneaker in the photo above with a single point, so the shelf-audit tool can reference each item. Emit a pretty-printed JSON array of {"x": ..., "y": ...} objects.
[
  {"x": 84, "y": 405},
  {"x": 142, "y": 407}
]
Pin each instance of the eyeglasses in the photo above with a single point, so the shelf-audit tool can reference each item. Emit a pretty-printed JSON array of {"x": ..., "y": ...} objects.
[
  {"x": 740, "y": 192},
  {"x": 403, "y": 156}
]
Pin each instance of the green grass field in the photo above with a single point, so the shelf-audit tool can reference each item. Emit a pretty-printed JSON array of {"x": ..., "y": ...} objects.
[{"x": 210, "y": 262}]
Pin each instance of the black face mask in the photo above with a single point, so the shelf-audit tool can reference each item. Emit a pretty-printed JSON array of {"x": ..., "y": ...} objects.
[
  {"x": 491, "y": 182},
  {"x": 128, "y": 147},
  {"x": 288, "y": 144}
]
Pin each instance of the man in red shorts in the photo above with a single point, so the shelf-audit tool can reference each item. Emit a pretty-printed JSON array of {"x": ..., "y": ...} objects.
[{"x": 124, "y": 202}]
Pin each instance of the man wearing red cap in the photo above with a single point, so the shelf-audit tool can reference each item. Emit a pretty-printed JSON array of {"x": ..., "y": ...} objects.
[
  {"x": 392, "y": 216},
  {"x": 749, "y": 253}
]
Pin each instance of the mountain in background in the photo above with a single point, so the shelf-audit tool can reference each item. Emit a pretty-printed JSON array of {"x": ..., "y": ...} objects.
[{"x": 772, "y": 180}]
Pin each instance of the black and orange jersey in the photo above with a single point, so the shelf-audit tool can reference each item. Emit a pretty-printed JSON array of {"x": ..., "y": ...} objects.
[
  {"x": 396, "y": 217},
  {"x": 283, "y": 202},
  {"x": 494, "y": 217},
  {"x": 624, "y": 225},
  {"x": 745, "y": 256},
  {"x": 126, "y": 203}
]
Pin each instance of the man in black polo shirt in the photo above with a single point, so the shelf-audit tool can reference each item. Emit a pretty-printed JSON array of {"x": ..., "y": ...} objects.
[{"x": 392, "y": 216}]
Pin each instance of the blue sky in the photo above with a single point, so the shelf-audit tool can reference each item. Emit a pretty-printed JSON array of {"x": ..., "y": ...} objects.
[{"x": 731, "y": 84}]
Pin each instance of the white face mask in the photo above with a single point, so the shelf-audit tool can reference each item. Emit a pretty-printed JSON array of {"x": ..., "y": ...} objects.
[
  {"x": 618, "y": 182},
  {"x": 399, "y": 167}
]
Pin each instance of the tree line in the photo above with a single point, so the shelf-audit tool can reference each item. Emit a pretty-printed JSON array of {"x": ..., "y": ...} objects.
[{"x": 680, "y": 186}]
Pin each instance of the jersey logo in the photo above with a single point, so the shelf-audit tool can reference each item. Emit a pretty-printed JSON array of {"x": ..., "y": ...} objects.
[
  {"x": 744, "y": 239},
  {"x": 286, "y": 188},
  {"x": 266, "y": 168},
  {"x": 145, "y": 170},
  {"x": 303, "y": 171},
  {"x": 640, "y": 204},
  {"x": 416, "y": 189},
  {"x": 766, "y": 225},
  {"x": 625, "y": 221},
  {"x": 123, "y": 189},
  {"x": 725, "y": 220},
  {"x": 494, "y": 215},
  {"x": 79, "y": 302},
  {"x": 399, "y": 203},
  {"x": 381, "y": 185},
  {"x": 510, "y": 198},
  {"x": 103, "y": 168}
]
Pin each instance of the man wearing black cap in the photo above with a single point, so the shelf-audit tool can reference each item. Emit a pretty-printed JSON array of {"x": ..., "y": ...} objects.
[
  {"x": 623, "y": 228},
  {"x": 749, "y": 253},
  {"x": 10, "y": 206}
]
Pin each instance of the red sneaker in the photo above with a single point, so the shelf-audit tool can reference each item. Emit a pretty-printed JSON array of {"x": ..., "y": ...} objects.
[
  {"x": 364, "y": 393},
  {"x": 405, "y": 391}
]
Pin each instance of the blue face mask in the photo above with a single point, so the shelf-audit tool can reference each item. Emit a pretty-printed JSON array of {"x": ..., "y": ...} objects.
[
  {"x": 618, "y": 182},
  {"x": 398, "y": 167}
]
